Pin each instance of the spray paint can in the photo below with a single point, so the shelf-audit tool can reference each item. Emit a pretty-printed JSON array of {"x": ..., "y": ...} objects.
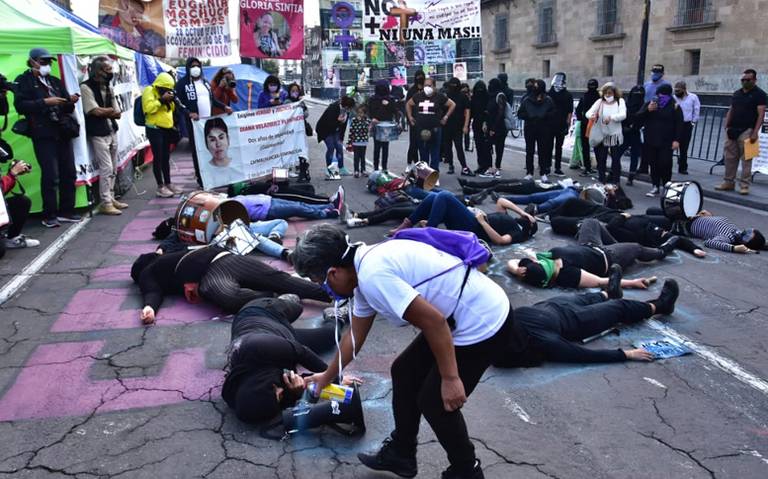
[{"x": 333, "y": 392}]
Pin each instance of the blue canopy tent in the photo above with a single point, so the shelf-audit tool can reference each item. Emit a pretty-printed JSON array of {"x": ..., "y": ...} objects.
[{"x": 250, "y": 79}]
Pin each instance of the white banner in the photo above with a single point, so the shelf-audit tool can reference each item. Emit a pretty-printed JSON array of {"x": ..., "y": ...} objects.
[
  {"x": 420, "y": 20},
  {"x": 248, "y": 144},
  {"x": 760, "y": 164},
  {"x": 197, "y": 28}
]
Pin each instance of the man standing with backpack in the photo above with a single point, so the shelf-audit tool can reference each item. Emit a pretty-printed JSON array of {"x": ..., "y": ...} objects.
[{"x": 464, "y": 317}]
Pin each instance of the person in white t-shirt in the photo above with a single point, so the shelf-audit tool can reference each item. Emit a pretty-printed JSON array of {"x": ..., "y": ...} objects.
[
  {"x": 465, "y": 321},
  {"x": 195, "y": 94}
]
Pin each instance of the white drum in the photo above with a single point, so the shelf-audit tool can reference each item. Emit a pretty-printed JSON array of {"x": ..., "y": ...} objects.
[{"x": 682, "y": 200}]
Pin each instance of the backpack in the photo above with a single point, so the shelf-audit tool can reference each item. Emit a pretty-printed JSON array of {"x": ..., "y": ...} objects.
[
  {"x": 509, "y": 115},
  {"x": 138, "y": 112}
]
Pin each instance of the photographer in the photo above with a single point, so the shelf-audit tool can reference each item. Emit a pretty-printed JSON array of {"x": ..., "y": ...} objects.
[
  {"x": 47, "y": 106},
  {"x": 224, "y": 86},
  {"x": 159, "y": 103},
  {"x": 17, "y": 204},
  {"x": 101, "y": 112}
]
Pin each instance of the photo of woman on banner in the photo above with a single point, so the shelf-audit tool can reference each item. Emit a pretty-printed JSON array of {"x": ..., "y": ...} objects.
[
  {"x": 399, "y": 75},
  {"x": 221, "y": 169},
  {"x": 265, "y": 35},
  {"x": 128, "y": 22}
]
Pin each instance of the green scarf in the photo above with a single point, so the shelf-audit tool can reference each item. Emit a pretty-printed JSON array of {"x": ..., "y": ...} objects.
[{"x": 548, "y": 263}]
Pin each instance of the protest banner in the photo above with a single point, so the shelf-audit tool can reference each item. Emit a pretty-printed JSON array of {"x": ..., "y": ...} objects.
[
  {"x": 272, "y": 29},
  {"x": 420, "y": 20},
  {"x": 168, "y": 28},
  {"x": 248, "y": 144},
  {"x": 760, "y": 163}
]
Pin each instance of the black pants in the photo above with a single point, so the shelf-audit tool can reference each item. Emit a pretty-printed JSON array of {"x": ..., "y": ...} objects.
[
  {"x": 195, "y": 163},
  {"x": 392, "y": 213},
  {"x": 285, "y": 191},
  {"x": 497, "y": 141},
  {"x": 601, "y": 152},
  {"x": 559, "y": 138},
  {"x": 18, "y": 211},
  {"x": 57, "y": 172},
  {"x": 685, "y": 141},
  {"x": 413, "y": 144},
  {"x": 359, "y": 158},
  {"x": 538, "y": 139},
  {"x": 593, "y": 233},
  {"x": 586, "y": 152},
  {"x": 159, "y": 141},
  {"x": 416, "y": 391},
  {"x": 233, "y": 280},
  {"x": 483, "y": 149},
  {"x": 466, "y": 142},
  {"x": 452, "y": 139},
  {"x": 660, "y": 161},
  {"x": 513, "y": 187},
  {"x": 380, "y": 150}
]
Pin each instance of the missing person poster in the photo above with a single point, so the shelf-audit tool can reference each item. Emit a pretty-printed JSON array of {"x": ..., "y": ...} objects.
[
  {"x": 272, "y": 29},
  {"x": 248, "y": 144},
  {"x": 168, "y": 28},
  {"x": 420, "y": 20}
]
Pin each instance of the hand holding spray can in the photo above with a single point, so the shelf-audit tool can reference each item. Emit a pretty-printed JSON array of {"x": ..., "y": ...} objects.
[{"x": 333, "y": 392}]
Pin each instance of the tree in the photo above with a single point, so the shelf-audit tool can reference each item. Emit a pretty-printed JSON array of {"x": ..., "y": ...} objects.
[{"x": 270, "y": 66}]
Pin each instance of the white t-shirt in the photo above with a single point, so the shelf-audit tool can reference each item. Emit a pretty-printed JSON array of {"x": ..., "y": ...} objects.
[
  {"x": 387, "y": 274},
  {"x": 203, "y": 99}
]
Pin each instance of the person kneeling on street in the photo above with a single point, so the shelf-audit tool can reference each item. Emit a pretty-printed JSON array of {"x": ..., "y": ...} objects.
[
  {"x": 18, "y": 206},
  {"x": 556, "y": 326},
  {"x": 216, "y": 275}
]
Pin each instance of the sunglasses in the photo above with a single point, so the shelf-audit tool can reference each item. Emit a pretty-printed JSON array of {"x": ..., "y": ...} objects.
[{"x": 746, "y": 80}]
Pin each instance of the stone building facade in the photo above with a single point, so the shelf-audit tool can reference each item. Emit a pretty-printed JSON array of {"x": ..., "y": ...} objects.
[{"x": 707, "y": 43}]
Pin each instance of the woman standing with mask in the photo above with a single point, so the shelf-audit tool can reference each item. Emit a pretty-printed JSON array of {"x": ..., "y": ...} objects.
[
  {"x": 330, "y": 130},
  {"x": 271, "y": 94},
  {"x": 381, "y": 107},
  {"x": 589, "y": 99},
  {"x": 663, "y": 122},
  {"x": 413, "y": 137},
  {"x": 608, "y": 113},
  {"x": 478, "y": 116},
  {"x": 539, "y": 113}
]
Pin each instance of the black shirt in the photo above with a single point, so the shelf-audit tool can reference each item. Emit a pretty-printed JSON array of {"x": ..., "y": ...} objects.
[
  {"x": 456, "y": 120},
  {"x": 576, "y": 258},
  {"x": 504, "y": 224},
  {"x": 428, "y": 111},
  {"x": 744, "y": 107}
]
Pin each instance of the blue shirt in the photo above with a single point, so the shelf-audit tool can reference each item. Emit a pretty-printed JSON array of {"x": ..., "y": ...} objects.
[{"x": 650, "y": 88}]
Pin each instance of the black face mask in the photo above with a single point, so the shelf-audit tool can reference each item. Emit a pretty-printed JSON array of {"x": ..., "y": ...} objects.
[
  {"x": 530, "y": 88},
  {"x": 109, "y": 76}
]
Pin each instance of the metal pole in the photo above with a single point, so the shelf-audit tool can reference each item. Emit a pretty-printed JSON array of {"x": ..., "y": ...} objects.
[{"x": 643, "y": 42}]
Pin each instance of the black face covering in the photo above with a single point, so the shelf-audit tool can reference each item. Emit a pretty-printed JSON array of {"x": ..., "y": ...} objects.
[
  {"x": 592, "y": 86},
  {"x": 109, "y": 76}
]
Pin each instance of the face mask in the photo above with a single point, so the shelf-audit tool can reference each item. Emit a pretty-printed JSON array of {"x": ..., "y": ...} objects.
[
  {"x": 529, "y": 88},
  {"x": 45, "y": 70},
  {"x": 428, "y": 90},
  {"x": 109, "y": 76},
  {"x": 195, "y": 72},
  {"x": 656, "y": 76},
  {"x": 608, "y": 98},
  {"x": 294, "y": 94},
  {"x": 592, "y": 87},
  {"x": 679, "y": 94},
  {"x": 273, "y": 88}
]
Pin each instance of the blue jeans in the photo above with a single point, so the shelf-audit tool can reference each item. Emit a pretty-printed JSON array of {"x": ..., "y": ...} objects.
[
  {"x": 429, "y": 151},
  {"x": 546, "y": 200},
  {"x": 282, "y": 209},
  {"x": 419, "y": 193},
  {"x": 633, "y": 143},
  {"x": 444, "y": 207},
  {"x": 265, "y": 228},
  {"x": 333, "y": 144}
]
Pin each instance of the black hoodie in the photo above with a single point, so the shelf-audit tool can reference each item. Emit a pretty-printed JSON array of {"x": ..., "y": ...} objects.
[
  {"x": 563, "y": 106},
  {"x": 187, "y": 94}
]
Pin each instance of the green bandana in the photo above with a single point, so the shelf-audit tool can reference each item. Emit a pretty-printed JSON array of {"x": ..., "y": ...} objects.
[{"x": 548, "y": 263}]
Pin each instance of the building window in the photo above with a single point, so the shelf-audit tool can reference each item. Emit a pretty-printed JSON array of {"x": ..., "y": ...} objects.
[
  {"x": 694, "y": 12},
  {"x": 607, "y": 65},
  {"x": 608, "y": 17},
  {"x": 693, "y": 61},
  {"x": 545, "y": 68},
  {"x": 502, "y": 67},
  {"x": 500, "y": 33},
  {"x": 547, "y": 22}
]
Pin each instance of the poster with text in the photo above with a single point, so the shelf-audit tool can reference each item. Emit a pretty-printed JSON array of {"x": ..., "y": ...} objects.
[
  {"x": 168, "y": 28},
  {"x": 420, "y": 20},
  {"x": 248, "y": 144},
  {"x": 760, "y": 164},
  {"x": 272, "y": 29}
]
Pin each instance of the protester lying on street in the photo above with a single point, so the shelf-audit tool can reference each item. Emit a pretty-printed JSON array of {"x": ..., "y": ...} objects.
[
  {"x": 398, "y": 211},
  {"x": 264, "y": 345},
  {"x": 265, "y": 207},
  {"x": 283, "y": 190},
  {"x": 603, "y": 203},
  {"x": 649, "y": 230},
  {"x": 587, "y": 264},
  {"x": 718, "y": 232},
  {"x": 510, "y": 186},
  {"x": 498, "y": 228},
  {"x": 17, "y": 204},
  {"x": 540, "y": 203},
  {"x": 556, "y": 327},
  {"x": 216, "y": 275},
  {"x": 269, "y": 233}
]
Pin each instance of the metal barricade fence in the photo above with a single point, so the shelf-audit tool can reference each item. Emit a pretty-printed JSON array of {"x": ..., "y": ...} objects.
[{"x": 708, "y": 135}]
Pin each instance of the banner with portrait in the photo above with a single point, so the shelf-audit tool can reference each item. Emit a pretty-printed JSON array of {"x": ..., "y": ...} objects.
[
  {"x": 420, "y": 20},
  {"x": 272, "y": 29},
  {"x": 168, "y": 28},
  {"x": 248, "y": 144}
]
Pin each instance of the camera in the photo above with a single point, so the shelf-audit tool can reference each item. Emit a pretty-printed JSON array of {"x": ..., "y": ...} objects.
[
  {"x": 27, "y": 166},
  {"x": 6, "y": 85},
  {"x": 232, "y": 84}
]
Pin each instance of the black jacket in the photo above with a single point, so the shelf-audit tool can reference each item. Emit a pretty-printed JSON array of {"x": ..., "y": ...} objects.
[
  {"x": 538, "y": 114},
  {"x": 663, "y": 126},
  {"x": 329, "y": 123},
  {"x": 29, "y": 101},
  {"x": 563, "y": 106},
  {"x": 187, "y": 94},
  {"x": 379, "y": 111},
  {"x": 586, "y": 102},
  {"x": 477, "y": 111}
]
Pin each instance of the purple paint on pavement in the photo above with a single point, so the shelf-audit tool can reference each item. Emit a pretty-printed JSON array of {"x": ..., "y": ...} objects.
[
  {"x": 159, "y": 213},
  {"x": 164, "y": 201},
  {"x": 118, "y": 272},
  {"x": 55, "y": 383},
  {"x": 138, "y": 229},
  {"x": 134, "y": 249}
]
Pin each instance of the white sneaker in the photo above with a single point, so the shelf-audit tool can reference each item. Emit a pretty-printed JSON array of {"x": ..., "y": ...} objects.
[
  {"x": 528, "y": 177},
  {"x": 544, "y": 179},
  {"x": 654, "y": 192},
  {"x": 20, "y": 242},
  {"x": 355, "y": 222}
]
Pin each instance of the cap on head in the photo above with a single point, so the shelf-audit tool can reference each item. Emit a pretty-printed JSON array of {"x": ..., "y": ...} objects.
[{"x": 38, "y": 53}]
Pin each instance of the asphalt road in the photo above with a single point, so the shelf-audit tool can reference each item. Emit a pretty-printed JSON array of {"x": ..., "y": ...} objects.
[{"x": 86, "y": 391}]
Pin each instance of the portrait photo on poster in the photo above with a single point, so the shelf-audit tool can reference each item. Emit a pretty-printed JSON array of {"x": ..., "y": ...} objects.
[
  {"x": 223, "y": 167},
  {"x": 134, "y": 24},
  {"x": 272, "y": 29}
]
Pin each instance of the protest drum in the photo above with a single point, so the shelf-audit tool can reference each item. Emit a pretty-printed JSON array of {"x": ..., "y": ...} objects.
[
  {"x": 426, "y": 178},
  {"x": 386, "y": 131},
  {"x": 201, "y": 214},
  {"x": 681, "y": 200}
]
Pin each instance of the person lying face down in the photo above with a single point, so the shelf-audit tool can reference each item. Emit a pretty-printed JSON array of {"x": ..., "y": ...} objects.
[
  {"x": 555, "y": 327},
  {"x": 588, "y": 264}
]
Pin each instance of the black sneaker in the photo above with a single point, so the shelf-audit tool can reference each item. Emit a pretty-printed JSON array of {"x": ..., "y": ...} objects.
[
  {"x": 387, "y": 458},
  {"x": 73, "y": 218},
  {"x": 614, "y": 283},
  {"x": 559, "y": 173},
  {"x": 665, "y": 303},
  {"x": 466, "y": 172},
  {"x": 451, "y": 171},
  {"x": 475, "y": 473},
  {"x": 668, "y": 246},
  {"x": 51, "y": 223},
  {"x": 477, "y": 199},
  {"x": 682, "y": 172},
  {"x": 531, "y": 209},
  {"x": 495, "y": 196}
]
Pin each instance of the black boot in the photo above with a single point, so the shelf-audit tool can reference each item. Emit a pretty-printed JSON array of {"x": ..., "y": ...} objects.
[
  {"x": 475, "y": 473},
  {"x": 391, "y": 457},
  {"x": 631, "y": 179},
  {"x": 478, "y": 198},
  {"x": 668, "y": 246},
  {"x": 614, "y": 283},
  {"x": 665, "y": 303},
  {"x": 495, "y": 196},
  {"x": 304, "y": 171}
]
